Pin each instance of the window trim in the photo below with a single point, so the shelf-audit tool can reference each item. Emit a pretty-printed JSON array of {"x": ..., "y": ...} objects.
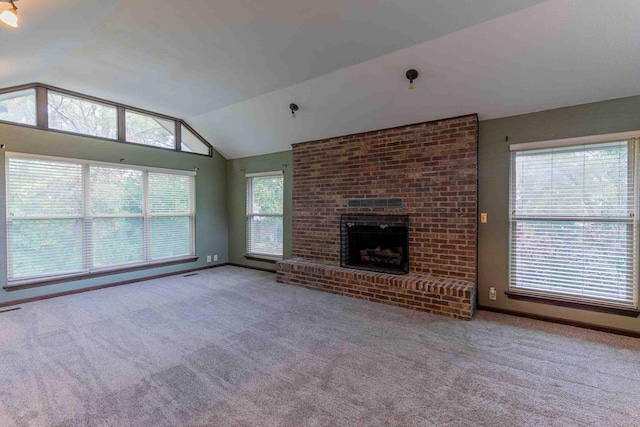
[
  {"x": 633, "y": 141},
  {"x": 152, "y": 116},
  {"x": 567, "y": 302},
  {"x": 146, "y": 215},
  {"x": 580, "y": 140},
  {"x": 101, "y": 163},
  {"x": 42, "y": 117},
  {"x": 19, "y": 285},
  {"x": 35, "y": 93},
  {"x": 179, "y": 131},
  {"x": 81, "y": 99},
  {"x": 256, "y": 256}
]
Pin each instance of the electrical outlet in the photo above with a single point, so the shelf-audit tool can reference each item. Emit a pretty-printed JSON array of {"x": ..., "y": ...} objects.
[
  {"x": 483, "y": 217},
  {"x": 215, "y": 257},
  {"x": 208, "y": 258},
  {"x": 492, "y": 294}
]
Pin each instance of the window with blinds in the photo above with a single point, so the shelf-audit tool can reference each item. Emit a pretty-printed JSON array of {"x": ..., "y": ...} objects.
[
  {"x": 68, "y": 217},
  {"x": 264, "y": 214},
  {"x": 574, "y": 231}
]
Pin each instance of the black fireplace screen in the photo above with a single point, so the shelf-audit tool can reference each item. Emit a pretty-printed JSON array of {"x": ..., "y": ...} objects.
[{"x": 375, "y": 242}]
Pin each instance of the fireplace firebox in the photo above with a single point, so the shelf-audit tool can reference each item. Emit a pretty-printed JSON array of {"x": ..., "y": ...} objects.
[{"x": 375, "y": 242}]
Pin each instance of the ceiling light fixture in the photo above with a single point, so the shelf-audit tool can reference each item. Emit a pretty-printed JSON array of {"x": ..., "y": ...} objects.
[
  {"x": 412, "y": 75},
  {"x": 10, "y": 17},
  {"x": 293, "y": 108}
]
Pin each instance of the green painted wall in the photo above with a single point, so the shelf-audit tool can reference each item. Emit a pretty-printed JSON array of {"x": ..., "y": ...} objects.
[
  {"x": 211, "y": 187},
  {"x": 237, "y": 199},
  {"x": 617, "y": 115},
  {"x": 221, "y": 195}
]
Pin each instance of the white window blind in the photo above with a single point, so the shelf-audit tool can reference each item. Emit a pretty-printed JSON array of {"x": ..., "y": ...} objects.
[
  {"x": 574, "y": 231},
  {"x": 264, "y": 214},
  {"x": 116, "y": 217},
  {"x": 44, "y": 217},
  {"x": 172, "y": 214},
  {"x": 67, "y": 217}
]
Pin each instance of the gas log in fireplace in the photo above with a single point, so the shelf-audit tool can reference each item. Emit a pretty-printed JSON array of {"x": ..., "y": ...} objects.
[{"x": 375, "y": 242}]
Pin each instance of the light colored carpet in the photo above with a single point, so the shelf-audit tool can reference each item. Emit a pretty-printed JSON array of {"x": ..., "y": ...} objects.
[{"x": 230, "y": 346}]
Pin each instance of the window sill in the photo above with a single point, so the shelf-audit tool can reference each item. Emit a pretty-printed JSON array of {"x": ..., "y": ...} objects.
[
  {"x": 35, "y": 283},
  {"x": 628, "y": 312},
  {"x": 262, "y": 258}
]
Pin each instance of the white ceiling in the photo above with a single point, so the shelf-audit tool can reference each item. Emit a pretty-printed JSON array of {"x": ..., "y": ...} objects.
[{"x": 231, "y": 68}]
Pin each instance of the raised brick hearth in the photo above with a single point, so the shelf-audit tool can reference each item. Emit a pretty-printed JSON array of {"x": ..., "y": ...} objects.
[
  {"x": 440, "y": 295},
  {"x": 429, "y": 170}
]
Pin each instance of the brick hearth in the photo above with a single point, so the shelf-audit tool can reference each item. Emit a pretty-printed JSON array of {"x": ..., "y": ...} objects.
[
  {"x": 432, "y": 167},
  {"x": 439, "y": 295}
]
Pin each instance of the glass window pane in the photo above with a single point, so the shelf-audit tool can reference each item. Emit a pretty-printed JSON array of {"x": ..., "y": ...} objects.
[
  {"x": 588, "y": 260},
  {"x": 149, "y": 130},
  {"x": 264, "y": 208},
  {"x": 42, "y": 187},
  {"x": 169, "y": 193},
  {"x": 267, "y": 194},
  {"x": 19, "y": 107},
  {"x": 49, "y": 231},
  {"x": 78, "y": 115},
  {"x": 117, "y": 241},
  {"x": 115, "y": 191},
  {"x": 46, "y": 246},
  {"x": 265, "y": 235},
  {"x": 571, "y": 236},
  {"x": 171, "y": 236},
  {"x": 191, "y": 143},
  {"x": 587, "y": 181}
]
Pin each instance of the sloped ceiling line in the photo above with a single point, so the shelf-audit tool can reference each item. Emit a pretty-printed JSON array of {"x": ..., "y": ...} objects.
[{"x": 232, "y": 68}]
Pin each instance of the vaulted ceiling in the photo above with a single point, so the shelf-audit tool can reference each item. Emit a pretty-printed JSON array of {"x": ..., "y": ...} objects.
[{"x": 231, "y": 68}]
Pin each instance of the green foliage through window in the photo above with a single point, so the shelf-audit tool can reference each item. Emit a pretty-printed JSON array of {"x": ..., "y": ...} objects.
[
  {"x": 68, "y": 217},
  {"x": 19, "y": 107},
  {"x": 264, "y": 215},
  {"x": 149, "y": 130},
  {"x": 574, "y": 231},
  {"x": 72, "y": 114},
  {"x": 57, "y": 109}
]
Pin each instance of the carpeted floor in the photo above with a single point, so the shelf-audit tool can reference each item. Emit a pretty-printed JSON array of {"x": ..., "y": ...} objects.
[{"x": 230, "y": 346}]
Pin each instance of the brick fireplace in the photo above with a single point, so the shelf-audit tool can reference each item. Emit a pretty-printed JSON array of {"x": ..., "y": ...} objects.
[{"x": 426, "y": 172}]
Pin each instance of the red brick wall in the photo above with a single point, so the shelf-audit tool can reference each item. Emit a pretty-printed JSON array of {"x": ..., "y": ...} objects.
[{"x": 431, "y": 166}]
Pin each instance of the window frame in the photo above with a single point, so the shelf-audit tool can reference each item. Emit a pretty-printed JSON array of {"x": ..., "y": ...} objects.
[
  {"x": 42, "y": 118},
  {"x": 185, "y": 127},
  {"x": 35, "y": 107},
  {"x": 250, "y": 214},
  {"x": 633, "y": 145},
  {"x": 87, "y": 217},
  {"x": 150, "y": 214},
  {"x": 153, "y": 117},
  {"x": 84, "y": 100}
]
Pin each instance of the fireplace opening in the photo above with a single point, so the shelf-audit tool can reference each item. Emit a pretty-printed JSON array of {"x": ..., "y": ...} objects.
[{"x": 375, "y": 242}]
